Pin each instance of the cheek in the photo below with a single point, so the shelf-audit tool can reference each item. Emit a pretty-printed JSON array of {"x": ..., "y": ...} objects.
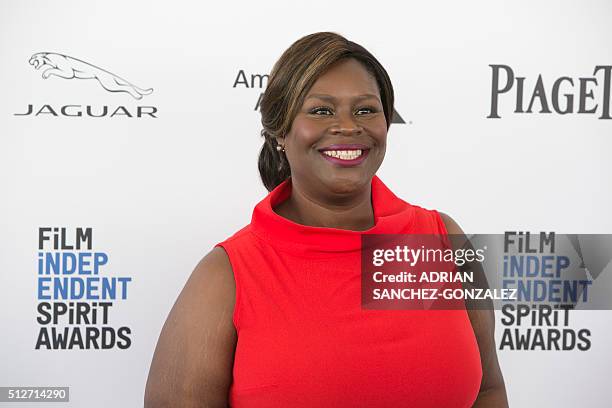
[
  {"x": 378, "y": 132},
  {"x": 304, "y": 133}
]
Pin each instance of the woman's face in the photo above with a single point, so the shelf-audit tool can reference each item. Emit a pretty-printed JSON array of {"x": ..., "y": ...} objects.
[{"x": 337, "y": 140}]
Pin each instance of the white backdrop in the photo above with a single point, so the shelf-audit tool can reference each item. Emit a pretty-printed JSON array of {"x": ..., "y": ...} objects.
[{"x": 159, "y": 192}]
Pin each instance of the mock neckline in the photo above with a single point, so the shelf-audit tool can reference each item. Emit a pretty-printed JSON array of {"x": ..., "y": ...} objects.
[{"x": 391, "y": 216}]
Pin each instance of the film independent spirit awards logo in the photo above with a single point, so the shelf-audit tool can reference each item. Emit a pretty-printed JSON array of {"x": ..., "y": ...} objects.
[{"x": 66, "y": 67}]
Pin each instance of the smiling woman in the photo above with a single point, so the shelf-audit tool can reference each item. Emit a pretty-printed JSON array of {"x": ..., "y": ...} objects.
[
  {"x": 271, "y": 317},
  {"x": 335, "y": 145}
]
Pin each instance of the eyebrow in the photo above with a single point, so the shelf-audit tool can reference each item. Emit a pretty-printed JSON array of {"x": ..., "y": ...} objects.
[{"x": 331, "y": 98}]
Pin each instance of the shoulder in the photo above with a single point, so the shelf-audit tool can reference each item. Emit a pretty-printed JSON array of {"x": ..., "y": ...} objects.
[
  {"x": 216, "y": 262},
  {"x": 209, "y": 290},
  {"x": 211, "y": 284},
  {"x": 452, "y": 227}
]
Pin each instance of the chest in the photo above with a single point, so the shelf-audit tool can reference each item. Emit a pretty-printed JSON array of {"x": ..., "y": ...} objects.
[
  {"x": 359, "y": 358},
  {"x": 305, "y": 341}
]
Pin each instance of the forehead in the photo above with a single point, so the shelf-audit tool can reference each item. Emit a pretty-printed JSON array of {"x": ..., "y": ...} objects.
[{"x": 345, "y": 78}]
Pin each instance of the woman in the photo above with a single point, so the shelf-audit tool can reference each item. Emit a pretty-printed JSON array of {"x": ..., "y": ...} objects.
[{"x": 271, "y": 317}]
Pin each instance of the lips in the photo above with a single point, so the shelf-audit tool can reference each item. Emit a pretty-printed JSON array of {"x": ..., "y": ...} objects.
[{"x": 345, "y": 154}]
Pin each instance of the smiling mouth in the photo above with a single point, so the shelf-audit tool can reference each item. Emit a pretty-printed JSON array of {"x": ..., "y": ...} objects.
[{"x": 345, "y": 154}]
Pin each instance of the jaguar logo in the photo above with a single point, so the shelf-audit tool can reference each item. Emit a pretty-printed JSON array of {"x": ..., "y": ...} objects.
[{"x": 67, "y": 67}]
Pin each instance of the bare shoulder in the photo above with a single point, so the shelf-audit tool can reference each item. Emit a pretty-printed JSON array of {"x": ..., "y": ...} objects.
[
  {"x": 451, "y": 225},
  {"x": 481, "y": 319},
  {"x": 193, "y": 361},
  {"x": 492, "y": 388},
  {"x": 457, "y": 237}
]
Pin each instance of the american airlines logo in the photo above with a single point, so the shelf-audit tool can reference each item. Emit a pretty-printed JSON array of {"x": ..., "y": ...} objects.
[{"x": 63, "y": 66}]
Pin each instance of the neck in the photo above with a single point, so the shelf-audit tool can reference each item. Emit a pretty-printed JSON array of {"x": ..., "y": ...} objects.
[{"x": 347, "y": 211}]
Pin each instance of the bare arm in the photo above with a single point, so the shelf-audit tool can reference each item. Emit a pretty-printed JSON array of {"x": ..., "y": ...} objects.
[
  {"x": 193, "y": 361},
  {"x": 492, "y": 392}
]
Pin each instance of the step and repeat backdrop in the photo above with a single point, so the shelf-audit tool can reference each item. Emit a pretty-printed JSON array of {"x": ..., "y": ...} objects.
[{"x": 129, "y": 136}]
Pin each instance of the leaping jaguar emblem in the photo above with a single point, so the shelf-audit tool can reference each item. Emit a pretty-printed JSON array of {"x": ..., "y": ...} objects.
[{"x": 67, "y": 67}]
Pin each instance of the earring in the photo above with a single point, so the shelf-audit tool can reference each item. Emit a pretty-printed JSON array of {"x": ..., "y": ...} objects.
[{"x": 280, "y": 148}]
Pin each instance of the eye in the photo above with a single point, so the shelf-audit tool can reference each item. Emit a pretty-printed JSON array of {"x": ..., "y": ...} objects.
[
  {"x": 318, "y": 109},
  {"x": 367, "y": 109}
]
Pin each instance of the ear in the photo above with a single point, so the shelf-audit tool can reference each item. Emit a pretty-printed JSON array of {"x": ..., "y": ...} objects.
[{"x": 280, "y": 140}]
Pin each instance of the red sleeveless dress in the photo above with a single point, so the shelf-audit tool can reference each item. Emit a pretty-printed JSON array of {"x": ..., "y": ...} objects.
[{"x": 305, "y": 341}]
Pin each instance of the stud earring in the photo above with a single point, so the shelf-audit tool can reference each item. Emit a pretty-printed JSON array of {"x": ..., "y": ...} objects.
[{"x": 280, "y": 148}]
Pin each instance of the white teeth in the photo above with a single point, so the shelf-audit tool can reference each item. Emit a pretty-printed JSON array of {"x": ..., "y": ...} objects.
[{"x": 343, "y": 154}]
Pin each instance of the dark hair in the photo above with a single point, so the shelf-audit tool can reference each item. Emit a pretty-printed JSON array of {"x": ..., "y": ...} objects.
[{"x": 292, "y": 76}]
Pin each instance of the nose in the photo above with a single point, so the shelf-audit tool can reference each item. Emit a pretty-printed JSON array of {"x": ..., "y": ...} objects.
[{"x": 346, "y": 126}]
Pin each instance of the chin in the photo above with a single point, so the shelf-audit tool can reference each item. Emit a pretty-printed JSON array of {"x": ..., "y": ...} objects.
[{"x": 347, "y": 184}]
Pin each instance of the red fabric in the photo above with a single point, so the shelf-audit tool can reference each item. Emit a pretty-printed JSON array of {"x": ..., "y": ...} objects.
[{"x": 305, "y": 341}]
